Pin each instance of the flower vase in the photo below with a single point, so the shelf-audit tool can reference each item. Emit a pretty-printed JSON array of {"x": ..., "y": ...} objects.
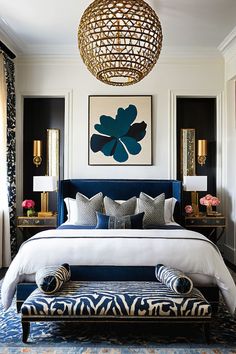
[
  {"x": 30, "y": 212},
  {"x": 209, "y": 210}
]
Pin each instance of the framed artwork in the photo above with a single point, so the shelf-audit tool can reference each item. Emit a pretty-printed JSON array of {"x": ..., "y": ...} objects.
[
  {"x": 187, "y": 152},
  {"x": 53, "y": 136},
  {"x": 120, "y": 130}
]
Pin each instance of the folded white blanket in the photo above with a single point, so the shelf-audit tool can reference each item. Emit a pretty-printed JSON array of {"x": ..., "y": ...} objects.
[{"x": 186, "y": 250}]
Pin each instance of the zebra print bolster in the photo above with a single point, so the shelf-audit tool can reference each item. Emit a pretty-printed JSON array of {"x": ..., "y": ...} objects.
[
  {"x": 51, "y": 278},
  {"x": 174, "y": 279}
]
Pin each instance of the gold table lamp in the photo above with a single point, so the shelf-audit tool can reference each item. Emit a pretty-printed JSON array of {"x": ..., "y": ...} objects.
[
  {"x": 44, "y": 184},
  {"x": 195, "y": 184}
]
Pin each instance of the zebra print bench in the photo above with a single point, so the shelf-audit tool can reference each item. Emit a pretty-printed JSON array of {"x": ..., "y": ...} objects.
[{"x": 115, "y": 301}]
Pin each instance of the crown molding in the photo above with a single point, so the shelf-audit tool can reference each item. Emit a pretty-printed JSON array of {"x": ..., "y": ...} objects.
[
  {"x": 61, "y": 53},
  {"x": 191, "y": 51},
  {"x": 70, "y": 54},
  {"x": 228, "y": 45},
  {"x": 189, "y": 54},
  {"x": 49, "y": 60},
  {"x": 9, "y": 38}
]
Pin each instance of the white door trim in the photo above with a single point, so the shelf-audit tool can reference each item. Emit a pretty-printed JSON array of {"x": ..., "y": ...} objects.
[
  {"x": 220, "y": 134},
  {"x": 68, "y": 129}
]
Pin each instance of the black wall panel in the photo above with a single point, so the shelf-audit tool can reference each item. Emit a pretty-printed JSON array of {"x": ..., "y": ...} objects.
[
  {"x": 200, "y": 114},
  {"x": 39, "y": 115}
]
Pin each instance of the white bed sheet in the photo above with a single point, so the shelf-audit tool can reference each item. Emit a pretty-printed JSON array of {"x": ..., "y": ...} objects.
[{"x": 186, "y": 250}]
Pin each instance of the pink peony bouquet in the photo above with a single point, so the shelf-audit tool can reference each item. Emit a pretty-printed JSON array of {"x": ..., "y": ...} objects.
[
  {"x": 209, "y": 200},
  {"x": 188, "y": 209},
  {"x": 28, "y": 204}
]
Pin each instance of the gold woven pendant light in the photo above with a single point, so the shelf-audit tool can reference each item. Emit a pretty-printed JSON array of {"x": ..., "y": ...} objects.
[{"x": 119, "y": 40}]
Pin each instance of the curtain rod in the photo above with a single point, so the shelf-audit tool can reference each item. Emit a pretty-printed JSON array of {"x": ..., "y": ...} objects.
[{"x": 7, "y": 50}]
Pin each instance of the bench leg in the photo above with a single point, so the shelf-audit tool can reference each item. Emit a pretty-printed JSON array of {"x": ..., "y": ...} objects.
[
  {"x": 206, "y": 328},
  {"x": 25, "y": 331}
]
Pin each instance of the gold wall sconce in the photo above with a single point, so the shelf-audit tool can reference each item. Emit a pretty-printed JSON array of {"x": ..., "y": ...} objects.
[
  {"x": 202, "y": 152},
  {"x": 37, "y": 152}
]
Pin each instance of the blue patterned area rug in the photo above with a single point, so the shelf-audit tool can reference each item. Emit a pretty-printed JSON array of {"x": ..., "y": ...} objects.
[{"x": 103, "y": 338}]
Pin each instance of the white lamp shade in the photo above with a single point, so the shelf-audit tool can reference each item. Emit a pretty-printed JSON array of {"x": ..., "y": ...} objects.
[
  {"x": 195, "y": 183},
  {"x": 44, "y": 183}
]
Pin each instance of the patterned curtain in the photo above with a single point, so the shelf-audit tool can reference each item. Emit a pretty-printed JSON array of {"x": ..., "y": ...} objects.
[{"x": 11, "y": 149}]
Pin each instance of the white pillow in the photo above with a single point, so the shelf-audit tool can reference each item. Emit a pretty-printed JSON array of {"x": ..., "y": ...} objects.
[
  {"x": 71, "y": 207},
  {"x": 82, "y": 211},
  {"x": 169, "y": 208}
]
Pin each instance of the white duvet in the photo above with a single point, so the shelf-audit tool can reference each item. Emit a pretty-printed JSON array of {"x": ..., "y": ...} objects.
[{"x": 183, "y": 249}]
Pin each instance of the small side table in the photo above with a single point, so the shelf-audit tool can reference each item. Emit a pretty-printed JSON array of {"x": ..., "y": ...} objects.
[
  {"x": 209, "y": 224},
  {"x": 31, "y": 225}
]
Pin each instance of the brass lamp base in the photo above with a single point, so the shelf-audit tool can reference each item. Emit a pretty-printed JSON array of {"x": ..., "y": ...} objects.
[
  {"x": 44, "y": 206},
  {"x": 45, "y": 214},
  {"x": 194, "y": 201}
]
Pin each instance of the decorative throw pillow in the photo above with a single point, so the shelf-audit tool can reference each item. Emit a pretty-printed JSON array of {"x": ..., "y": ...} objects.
[
  {"x": 51, "y": 278},
  {"x": 86, "y": 208},
  {"x": 119, "y": 222},
  {"x": 71, "y": 207},
  {"x": 119, "y": 209},
  {"x": 153, "y": 209},
  {"x": 174, "y": 279},
  {"x": 169, "y": 208}
]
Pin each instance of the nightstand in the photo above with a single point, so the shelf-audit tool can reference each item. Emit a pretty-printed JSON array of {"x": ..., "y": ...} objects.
[
  {"x": 31, "y": 225},
  {"x": 208, "y": 224}
]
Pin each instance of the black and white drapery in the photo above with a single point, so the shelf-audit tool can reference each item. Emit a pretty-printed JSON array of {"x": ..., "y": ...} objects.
[
  {"x": 11, "y": 149},
  {"x": 9, "y": 140}
]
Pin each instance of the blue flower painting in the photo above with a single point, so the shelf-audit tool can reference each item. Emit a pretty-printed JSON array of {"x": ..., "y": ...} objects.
[{"x": 119, "y": 136}]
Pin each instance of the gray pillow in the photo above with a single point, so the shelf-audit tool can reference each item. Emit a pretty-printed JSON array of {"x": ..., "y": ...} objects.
[
  {"x": 86, "y": 209},
  {"x": 153, "y": 209},
  {"x": 112, "y": 208}
]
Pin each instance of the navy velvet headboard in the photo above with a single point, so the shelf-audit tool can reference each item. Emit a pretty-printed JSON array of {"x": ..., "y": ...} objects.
[{"x": 118, "y": 189}]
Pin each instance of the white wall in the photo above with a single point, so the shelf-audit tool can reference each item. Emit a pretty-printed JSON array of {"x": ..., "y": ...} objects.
[
  {"x": 230, "y": 173},
  {"x": 52, "y": 77},
  {"x": 169, "y": 78}
]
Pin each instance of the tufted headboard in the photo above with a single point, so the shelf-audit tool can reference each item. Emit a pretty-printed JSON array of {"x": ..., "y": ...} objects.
[{"x": 118, "y": 189}]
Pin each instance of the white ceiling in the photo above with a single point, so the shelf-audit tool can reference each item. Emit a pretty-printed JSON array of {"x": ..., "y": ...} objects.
[{"x": 50, "y": 26}]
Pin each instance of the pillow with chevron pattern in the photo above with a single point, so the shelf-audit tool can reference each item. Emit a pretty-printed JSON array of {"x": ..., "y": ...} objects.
[
  {"x": 87, "y": 208},
  {"x": 174, "y": 279},
  {"x": 119, "y": 208},
  {"x": 50, "y": 279},
  {"x": 153, "y": 209}
]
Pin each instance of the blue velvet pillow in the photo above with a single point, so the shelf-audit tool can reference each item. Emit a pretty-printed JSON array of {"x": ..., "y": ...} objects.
[
  {"x": 119, "y": 222},
  {"x": 50, "y": 279},
  {"x": 174, "y": 279}
]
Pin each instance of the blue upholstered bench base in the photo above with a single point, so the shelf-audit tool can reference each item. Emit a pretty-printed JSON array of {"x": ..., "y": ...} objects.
[{"x": 119, "y": 300}]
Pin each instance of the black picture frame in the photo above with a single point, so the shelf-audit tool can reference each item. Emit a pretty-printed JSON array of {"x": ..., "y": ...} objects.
[{"x": 113, "y": 150}]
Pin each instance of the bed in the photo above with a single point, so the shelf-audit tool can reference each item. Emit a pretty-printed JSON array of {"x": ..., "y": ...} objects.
[{"x": 121, "y": 254}]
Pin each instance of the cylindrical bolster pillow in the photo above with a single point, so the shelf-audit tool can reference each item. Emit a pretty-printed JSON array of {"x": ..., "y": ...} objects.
[
  {"x": 51, "y": 278},
  {"x": 174, "y": 279}
]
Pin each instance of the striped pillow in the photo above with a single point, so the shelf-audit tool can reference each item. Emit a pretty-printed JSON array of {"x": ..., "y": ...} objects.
[
  {"x": 51, "y": 278},
  {"x": 174, "y": 279},
  {"x": 119, "y": 222}
]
